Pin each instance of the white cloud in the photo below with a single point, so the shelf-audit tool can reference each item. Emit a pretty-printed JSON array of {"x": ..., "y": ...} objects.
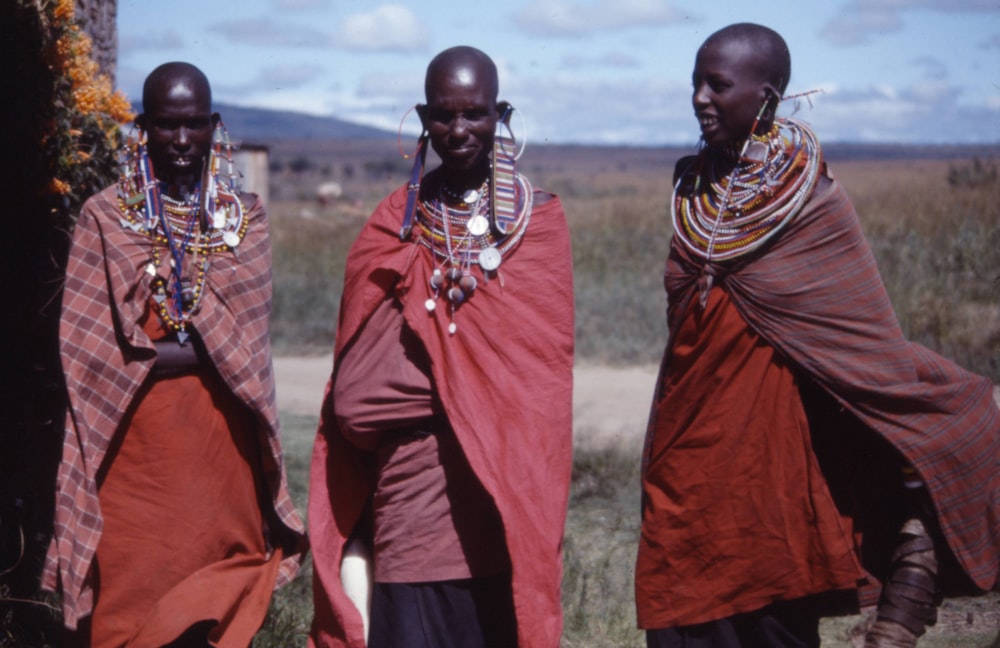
[
  {"x": 261, "y": 32},
  {"x": 928, "y": 111},
  {"x": 566, "y": 18},
  {"x": 860, "y": 19},
  {"x": 390, "y": 27}
]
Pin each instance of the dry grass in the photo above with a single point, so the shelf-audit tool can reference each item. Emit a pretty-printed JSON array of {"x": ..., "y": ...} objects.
[{"x": 937, "y": 244}]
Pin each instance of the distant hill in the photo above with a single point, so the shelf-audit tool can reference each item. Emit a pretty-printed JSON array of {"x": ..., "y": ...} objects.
[
  {"x": 260, "y": 125},
  {"x": 263, "y": 125}
]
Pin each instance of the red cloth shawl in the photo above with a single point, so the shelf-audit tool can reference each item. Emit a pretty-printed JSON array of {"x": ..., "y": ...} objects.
[
  {"x": 106, "y": 356},
  {"x": 505, "y": 382},
  {"x": 816, "y": 295}
]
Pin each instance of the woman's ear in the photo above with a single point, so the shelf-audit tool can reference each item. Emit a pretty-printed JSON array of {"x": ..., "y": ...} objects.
[
  {"x": 505, "y": 110},
  {"x": 422, "y": 113}
]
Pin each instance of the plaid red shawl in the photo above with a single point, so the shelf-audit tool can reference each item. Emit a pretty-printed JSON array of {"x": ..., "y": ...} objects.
[
  {"x": 106, "y": 356},
  {"x": 816, "y": 295},
  {"x": 505, "y": 380}
]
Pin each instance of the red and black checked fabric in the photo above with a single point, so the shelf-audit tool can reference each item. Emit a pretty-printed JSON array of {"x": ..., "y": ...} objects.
[
  {"x": 106, "y": 356},
  {"x": 816, "y": 295}
]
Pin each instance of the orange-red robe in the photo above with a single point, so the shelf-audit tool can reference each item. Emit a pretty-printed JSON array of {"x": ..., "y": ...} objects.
[
  {"x": 736, "y": 513},
  {"x": 108, "y": 356},
  {"x": 181, "y": 498},
  {"x": 815, "y": 297}
]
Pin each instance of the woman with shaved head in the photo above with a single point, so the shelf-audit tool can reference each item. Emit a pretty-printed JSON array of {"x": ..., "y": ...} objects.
[
  {"x": 173, "y": 521},
  {"x": 802, "y": 457},
  {"x": 444, "y": 446}
]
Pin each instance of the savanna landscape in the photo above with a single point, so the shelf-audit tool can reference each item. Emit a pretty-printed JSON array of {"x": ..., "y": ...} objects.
[{"x": 932, "y": 218}]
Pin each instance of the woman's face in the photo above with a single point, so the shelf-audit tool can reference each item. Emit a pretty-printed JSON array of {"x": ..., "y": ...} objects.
[
  {"x": 461, "y": 119},
  {"x": 179, "y": 124},
  {"x": 728, "y": 90}
]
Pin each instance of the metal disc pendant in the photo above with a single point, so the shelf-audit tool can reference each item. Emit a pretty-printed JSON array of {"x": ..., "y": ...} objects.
[
  {"x": 478, "y": 225},
  {"x": 489, "y": 259},
  {"x": 430, "y": 305},
  {"x": 231, "y": 238},
  {"x": 452, "y": 328},
  {"x": 470, "y": 196}
]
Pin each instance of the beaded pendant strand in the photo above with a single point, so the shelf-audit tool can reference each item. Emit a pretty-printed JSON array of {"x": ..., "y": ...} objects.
[
  {"x": 461, "y": 240},
  {"x": 726, "y": 216},
  {"x": 192, "y": 230}
]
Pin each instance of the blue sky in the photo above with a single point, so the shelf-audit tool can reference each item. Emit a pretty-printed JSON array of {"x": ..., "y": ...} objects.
[{"x": 587, "y": 71}]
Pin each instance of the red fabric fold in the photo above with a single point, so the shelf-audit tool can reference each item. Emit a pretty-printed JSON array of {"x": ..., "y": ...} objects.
[
  {"x": 107, "y": 356},
  {"x": 505, "y": 382},
  {"x": 816, "y": 296}
]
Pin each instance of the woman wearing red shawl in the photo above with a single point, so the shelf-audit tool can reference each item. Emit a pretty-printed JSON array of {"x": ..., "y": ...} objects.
[
  {"x": 173, "y": 521},
  {"x": 444, "y": 447},
  {"x": 798, "y": 445}
]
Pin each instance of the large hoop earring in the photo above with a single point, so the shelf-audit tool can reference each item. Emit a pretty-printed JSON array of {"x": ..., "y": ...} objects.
[{"x": 399, "y": 134}]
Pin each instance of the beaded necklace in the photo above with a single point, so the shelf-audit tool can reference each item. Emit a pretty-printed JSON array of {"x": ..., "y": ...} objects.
[
  {"x": 193, "y": 229},
  {"x": 729, "y": 216},
  {"x": 461, "y": 239}
]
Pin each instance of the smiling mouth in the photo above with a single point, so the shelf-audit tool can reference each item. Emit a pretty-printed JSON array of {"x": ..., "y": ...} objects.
[{"x": 707, "y": 121}]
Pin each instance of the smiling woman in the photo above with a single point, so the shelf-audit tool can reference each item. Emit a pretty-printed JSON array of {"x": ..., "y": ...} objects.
[{"x": 452, "y": 373}]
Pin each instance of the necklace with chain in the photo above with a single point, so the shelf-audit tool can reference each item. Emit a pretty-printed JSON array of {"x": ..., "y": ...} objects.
[
  {"x": 461, "y": 240},
  {"x": 729, "y": 216},
  {"x": 191, "y": 229}
]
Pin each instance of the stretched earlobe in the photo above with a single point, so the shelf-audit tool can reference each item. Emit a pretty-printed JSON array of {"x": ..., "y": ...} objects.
[
  {"x": 422, "y": 113},
  {"x": 505, "y": 110}
]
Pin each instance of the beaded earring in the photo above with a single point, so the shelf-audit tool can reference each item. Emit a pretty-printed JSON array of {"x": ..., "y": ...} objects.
[
  {"x": 416, "y": 174},
  {"x": 504, "y": 201},
  {"x": 211, "y": 174}
]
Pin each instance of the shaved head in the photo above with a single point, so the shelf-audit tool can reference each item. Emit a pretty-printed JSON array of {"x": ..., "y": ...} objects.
[
  {"x": 176, "y": 77},
  {"x": 465, "y": 64},
  {"x": 771, "y": 58},
  {"x": 178, "y": 120}
]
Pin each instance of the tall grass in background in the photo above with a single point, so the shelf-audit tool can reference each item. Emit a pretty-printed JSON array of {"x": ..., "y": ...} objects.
[
  {"x": 934, "y": 227},
  {"x": 935, "y": 230}
]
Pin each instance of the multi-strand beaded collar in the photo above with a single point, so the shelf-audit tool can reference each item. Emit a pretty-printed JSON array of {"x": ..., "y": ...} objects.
[
  {"x": 723, "y": 217},
  {"x": 192, "y": 230},
  {"x": 457, "y": 229}
]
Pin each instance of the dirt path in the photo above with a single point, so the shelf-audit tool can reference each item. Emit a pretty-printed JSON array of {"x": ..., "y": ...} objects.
[{"x": 610, "y": 404}]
